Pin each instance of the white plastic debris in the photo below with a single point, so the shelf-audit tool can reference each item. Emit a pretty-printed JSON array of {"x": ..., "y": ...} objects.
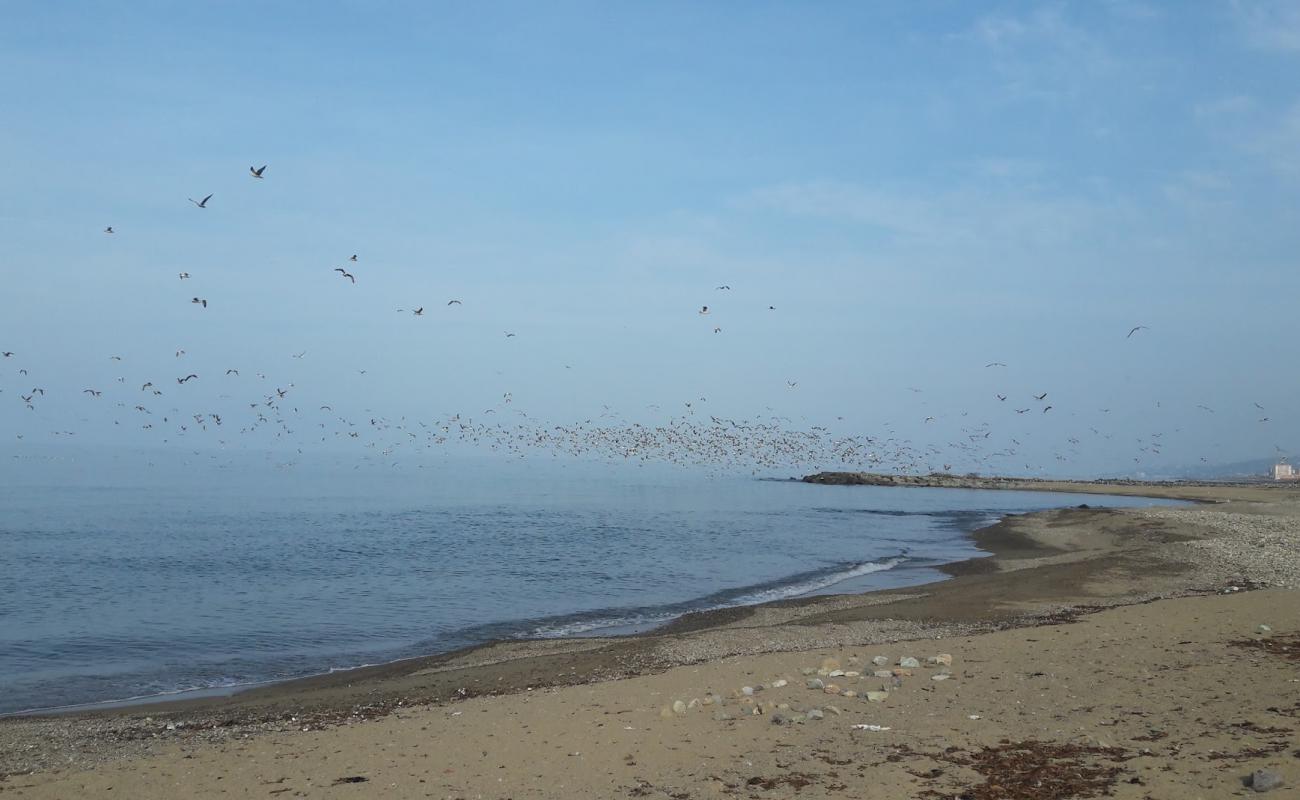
[{"x": 863, "y": 726}]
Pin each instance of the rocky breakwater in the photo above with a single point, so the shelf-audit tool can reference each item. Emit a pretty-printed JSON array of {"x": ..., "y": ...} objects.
[{"x": 943, "y": 480}]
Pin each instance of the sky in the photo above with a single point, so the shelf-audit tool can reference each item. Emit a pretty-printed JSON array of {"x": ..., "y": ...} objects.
[{"x": 897, "y": 194}]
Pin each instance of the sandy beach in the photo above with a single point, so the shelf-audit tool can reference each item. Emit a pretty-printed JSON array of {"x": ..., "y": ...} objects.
[{"x": 1133, "y": 653}]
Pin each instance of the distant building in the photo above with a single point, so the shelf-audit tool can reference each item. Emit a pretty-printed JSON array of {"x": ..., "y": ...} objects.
[{"x": 1283, "y": 471}]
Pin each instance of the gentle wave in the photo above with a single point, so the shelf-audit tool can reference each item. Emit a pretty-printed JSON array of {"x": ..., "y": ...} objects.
[{"x": 783, "y": 589}]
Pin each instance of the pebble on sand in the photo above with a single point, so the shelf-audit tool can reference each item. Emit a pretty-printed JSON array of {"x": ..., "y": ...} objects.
[
  {"x": 1264, "y": 780},
  {"x": 816, "y": 683},
  {"x": 907, "y": 662},
  {"x": 877, "y": 697}
]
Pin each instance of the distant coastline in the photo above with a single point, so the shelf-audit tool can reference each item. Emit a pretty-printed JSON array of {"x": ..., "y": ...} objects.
[{"x": 1199, "y": 491}]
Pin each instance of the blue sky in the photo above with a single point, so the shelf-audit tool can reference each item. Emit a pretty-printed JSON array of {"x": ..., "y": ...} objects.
[{"x": 918, "y": 188}]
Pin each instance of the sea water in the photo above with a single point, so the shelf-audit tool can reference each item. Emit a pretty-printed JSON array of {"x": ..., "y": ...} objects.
[{"x": 140, "y": 582}]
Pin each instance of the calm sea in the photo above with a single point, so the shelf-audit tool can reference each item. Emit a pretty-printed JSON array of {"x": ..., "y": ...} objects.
[{"x": 142, "y": 581}]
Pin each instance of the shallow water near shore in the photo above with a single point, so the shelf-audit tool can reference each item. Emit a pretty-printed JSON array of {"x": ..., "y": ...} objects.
[{"x": 115, "y": 588}]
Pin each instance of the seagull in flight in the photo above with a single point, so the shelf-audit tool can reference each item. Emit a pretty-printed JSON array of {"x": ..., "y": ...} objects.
[
  {"x": 1000, "y": 397},
  {"x": 1021, "y": 410},
  {"x": 200, "y": 203},
  {"x": 1040, "y": 396},
  {"x": 353, "y": 258},
  {"x": 994, "y": 364},
  {"x": 419, "y": 312},
  {"x": 232, "y": 372},
  {"x": 186, "y": 378},
  {"x": 91, "y": 392},
  {"x": 455, "y": 303},
  {"x": 109, "y": 229},
  {"x": 723, "y": 288},
  {"x": 1045, "y": 410},
  {"x": 346, "y": 274},
  {"x": 257, "y": 173},
  {"x": 199, "y": 300},
  {"x": 509, "y": 334},
  {"x": 294, "y": 355},
  {"x": 1135, "y": 329},
  {"x": 7, "y": 354},
  {"x": 704, "y": 310},
  {"x": 185, "y": 276}
]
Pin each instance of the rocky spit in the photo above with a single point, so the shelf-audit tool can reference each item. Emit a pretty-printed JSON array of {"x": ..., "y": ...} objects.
[{"x": 1256, "y": 549}]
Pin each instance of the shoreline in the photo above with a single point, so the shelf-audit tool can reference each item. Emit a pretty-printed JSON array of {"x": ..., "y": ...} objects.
[
  {"x": 1046, "y": 568},
  {"x": 1073, "y": 653},
  {"x": 689, "y": 621}
]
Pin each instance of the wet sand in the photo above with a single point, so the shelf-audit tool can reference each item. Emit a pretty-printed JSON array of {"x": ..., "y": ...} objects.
[{"x": 1086, "y": 631}]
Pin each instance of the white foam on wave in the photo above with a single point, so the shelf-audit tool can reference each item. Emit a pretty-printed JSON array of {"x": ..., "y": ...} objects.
[
  {"x": 767, "y": 595},
  {"x": 814, "y": 584}
]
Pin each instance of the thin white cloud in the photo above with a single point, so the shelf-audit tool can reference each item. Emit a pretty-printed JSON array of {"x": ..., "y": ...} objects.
[
  {"x": 1230, "y": 106},
  {"x": 1044, "y": 54},
  {"x": 1269, "y": 24},
  {"x": 993, "y": 214}
]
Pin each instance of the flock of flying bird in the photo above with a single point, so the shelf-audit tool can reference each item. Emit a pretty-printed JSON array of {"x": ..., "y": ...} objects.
[{"x": 689, "y": 437}]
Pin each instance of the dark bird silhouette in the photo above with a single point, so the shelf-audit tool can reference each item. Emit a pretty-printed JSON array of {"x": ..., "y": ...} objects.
[
  {"x": 771, "y": 308},
  {"x": 509, "y": 334},
  {"x": 1135, "y": 329},
  {"x": 455, "y": 303},
  {"x": 199, "y": 300},
  {"x": 1257, "y": 405},
  {"x": 257, "y": 173},
  {"x": 704, "y": 309},
  {"x": 1040, "y": 396},
  {"x": 353, "y": 257},
  {"x": 8, "y": 354},
  {"x": 723, "y": 288},
  {"x": 186, "y": 378},
  {"x": 1021, "y": 410},
  {"x": 232, "y": 372},
  {"x": 419, "y": 312},
  {"x": 345, "y": 274},
  {"x": 1000, "y": 397},
  {"x": 1045, "y": 410},
  {"x": 200, "y": 203},
  {"x": 994, "y": 364},
  {"x": 109, "y": 229},
  {"x": 185, "y": 276},
  {"x": 91, "y": 392}
]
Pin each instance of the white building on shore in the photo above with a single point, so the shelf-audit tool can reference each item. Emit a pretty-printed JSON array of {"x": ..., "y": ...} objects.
[{"x": 1283, "y": 471}]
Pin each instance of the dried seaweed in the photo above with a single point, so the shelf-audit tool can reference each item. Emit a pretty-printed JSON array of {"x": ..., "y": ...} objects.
[
  {"x": 1032, "y": 770},
  {"x": 1287, "y": 646}
]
